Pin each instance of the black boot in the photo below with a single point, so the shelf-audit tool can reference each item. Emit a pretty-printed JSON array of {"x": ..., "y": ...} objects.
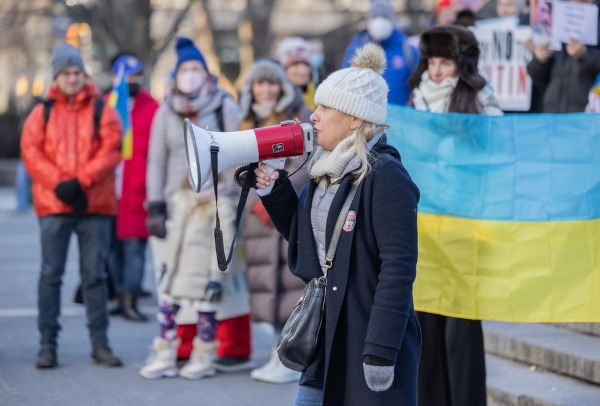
[
  {"x": 118, "y": 309},
  {"x": 46, "y": 358},
  {"x": 104, "y": 356},
  {"x": 129, "y": 309}
]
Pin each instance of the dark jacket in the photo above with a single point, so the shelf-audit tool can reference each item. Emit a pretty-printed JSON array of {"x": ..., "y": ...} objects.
[
  {"x": 369, "y": 307},
  {"x": 565, "y": 81}
]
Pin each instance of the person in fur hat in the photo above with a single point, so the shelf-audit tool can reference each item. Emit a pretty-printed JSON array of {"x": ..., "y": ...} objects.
[
  {"x": 370, "y": 348},
  {"x": 268, "y": 98},
  {"x": 447, "y": 79}
]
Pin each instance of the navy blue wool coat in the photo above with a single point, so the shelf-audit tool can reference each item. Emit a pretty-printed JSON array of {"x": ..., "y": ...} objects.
[{"x": 369, "y": 306}]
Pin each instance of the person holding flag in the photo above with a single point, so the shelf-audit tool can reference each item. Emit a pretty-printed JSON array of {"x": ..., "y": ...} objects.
[{"x": 136, "y": 108}]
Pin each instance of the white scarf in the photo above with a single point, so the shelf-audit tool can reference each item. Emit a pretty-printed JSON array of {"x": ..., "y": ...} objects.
[
  {"x": 263, "y": 111},
  {"x": 433, "y": 97},
  {"x": 333, "y": 163}
]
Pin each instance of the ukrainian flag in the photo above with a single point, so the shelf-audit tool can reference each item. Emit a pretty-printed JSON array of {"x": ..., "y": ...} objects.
[
  {"x": 119, "y": 100},
  {"x": 509, "y": 216}
]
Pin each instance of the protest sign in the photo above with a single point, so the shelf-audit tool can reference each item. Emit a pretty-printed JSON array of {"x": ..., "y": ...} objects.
[
  {"x": 504, "y": 60},
  {"x": 575, "y": 20}
]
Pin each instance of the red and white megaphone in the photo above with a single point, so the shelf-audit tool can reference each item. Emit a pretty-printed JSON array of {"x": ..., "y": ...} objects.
[{"x": 288, "y": 139}]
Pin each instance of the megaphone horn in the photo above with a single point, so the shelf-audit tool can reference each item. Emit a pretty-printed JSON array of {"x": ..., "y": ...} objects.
[{"x": 288, "y": 139}]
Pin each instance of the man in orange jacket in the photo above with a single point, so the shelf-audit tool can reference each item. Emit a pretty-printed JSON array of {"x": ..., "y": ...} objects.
[{"x": 71, "y": 157}]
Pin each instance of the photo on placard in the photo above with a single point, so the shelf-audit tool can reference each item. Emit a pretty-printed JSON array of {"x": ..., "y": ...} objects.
[
  {"x": 541, "y": 18},
  {"x": 542, "y": 24}
]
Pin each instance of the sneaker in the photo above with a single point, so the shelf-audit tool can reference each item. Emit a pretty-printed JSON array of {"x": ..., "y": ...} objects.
[
  {"x": 201, "y": 360},
  {"x": 104, "y": 356},
  {"x": 162, "y": 361},
  {"x": 46, "y": 358},
  {"x": 232, "y": 364}
]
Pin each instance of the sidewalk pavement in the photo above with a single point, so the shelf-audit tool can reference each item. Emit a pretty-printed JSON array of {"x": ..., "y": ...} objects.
[{"x": 77, "y": 381}]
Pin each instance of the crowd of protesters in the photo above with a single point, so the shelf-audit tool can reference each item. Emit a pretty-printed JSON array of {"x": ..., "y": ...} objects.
[{"x": 71, "y": 149}]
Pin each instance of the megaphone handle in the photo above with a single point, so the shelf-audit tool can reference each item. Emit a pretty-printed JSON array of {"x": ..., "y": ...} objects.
[{"x": 272, "y": 166}]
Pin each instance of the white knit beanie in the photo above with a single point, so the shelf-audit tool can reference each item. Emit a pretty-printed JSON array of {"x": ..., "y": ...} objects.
[
  {"x": 359, "y": 90},
  {"x": 293, "y": 49}
]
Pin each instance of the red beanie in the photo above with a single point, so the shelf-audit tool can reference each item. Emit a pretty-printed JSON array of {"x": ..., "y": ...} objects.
[{"x": 442, "y": 4}]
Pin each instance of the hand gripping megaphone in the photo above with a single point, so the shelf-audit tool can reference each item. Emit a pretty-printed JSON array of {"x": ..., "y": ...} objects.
[
  {"x": 288, "y": 139},
  {"x": 209, "y": 152}
]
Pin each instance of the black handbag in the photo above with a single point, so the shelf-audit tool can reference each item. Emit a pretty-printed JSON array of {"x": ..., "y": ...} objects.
[{"x": 301, "y": 334}]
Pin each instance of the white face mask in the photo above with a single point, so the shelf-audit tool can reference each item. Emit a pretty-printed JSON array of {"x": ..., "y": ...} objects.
[
  {"x": 380, "y": 28},
  {"x": 189, "y": 82}
]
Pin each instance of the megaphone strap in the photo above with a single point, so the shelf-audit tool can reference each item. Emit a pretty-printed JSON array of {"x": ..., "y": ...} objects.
[{"x": 219, "y": 244}]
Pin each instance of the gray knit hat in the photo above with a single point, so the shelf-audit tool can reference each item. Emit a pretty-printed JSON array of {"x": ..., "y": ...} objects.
[
  {"x": 63, "y": 56},
  {"x": 270, "y": 70},
  {"x": 359, "y": 90},
  {"x": 381, "y": 8}
]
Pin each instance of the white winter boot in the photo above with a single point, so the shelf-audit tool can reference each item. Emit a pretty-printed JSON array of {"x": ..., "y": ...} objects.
[
  {"x": 275, "y": 372},
  {"x": 201, "y": 360},
  {"x": 162, "y": 360}
]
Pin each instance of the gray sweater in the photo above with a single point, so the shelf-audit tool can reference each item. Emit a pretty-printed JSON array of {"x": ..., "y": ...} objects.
[{"x": 167, "y": 163}]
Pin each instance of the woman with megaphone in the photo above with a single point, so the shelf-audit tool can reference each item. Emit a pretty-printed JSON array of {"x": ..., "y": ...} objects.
[
  {"x": 361, "y": 200},
  {"x": 268, "y": 98}
]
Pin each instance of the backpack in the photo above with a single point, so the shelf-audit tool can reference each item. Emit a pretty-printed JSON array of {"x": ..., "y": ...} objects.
[{"x": 98, "y": 107}]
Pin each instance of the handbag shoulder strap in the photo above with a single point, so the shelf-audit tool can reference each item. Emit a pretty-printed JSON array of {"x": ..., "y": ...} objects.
[{"x": 337, "y": 232}]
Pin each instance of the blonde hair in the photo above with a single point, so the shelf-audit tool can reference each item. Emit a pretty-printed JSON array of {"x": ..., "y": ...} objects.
[{"x": 363, "y": 134}]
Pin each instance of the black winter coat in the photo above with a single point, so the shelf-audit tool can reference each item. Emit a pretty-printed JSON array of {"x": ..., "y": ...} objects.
[
  {"x": 565, "y": 81},
  {"x": 369, "y": 306}
]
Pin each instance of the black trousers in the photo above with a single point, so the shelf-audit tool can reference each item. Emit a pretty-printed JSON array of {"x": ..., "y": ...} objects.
[{"x": 452, "y": 368}]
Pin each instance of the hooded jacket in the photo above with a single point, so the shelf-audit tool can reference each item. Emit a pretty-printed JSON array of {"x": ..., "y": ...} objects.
[
  {"x": 368, "y": 307},
  {"x": 69, "y": 147}
]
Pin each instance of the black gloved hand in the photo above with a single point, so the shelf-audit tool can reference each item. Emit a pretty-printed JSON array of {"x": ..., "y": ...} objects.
[
  {"x": 157, "y": 217},
  {"x": 213, "y": 291},
  {"x": 71, "y": 193},
  {"x": 80, "y": 205},
  {"x": 379, "y": 373}
]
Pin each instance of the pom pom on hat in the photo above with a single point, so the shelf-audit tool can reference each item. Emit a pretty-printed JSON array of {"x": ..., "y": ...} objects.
[
  {"x": 187, "y": 51},
  {"x": 360, "y": 90},
  {"x": 293, "y": 49}
]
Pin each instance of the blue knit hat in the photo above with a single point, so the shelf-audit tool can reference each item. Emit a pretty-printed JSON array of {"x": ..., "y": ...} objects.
[
  {"x": 131, "y": 64},
  {"x": 187, "y": 51}
]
